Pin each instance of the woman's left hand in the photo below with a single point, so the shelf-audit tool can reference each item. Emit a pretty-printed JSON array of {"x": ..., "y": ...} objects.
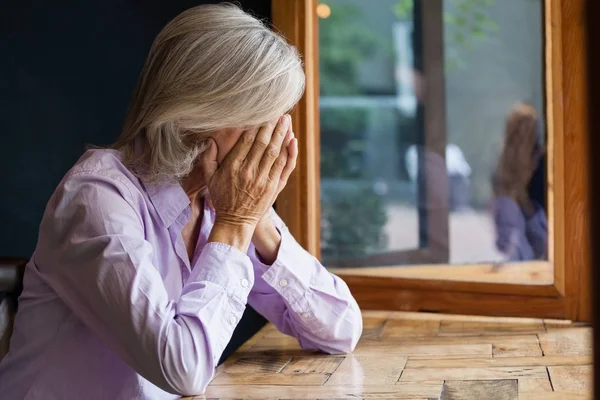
[
  {"x": 266, "y": 238},
  {"x": 292, "y": 149}
]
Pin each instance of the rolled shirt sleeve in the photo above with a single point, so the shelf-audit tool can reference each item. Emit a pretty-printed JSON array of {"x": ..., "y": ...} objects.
[
  {"x": 102, "y": 269},
  {"x": 302, "y": 299}
]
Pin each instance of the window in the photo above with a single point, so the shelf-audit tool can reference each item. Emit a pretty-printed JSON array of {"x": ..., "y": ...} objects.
[
  {"x": 452, "y": 96},
  {"x": 432, "y": 133}
]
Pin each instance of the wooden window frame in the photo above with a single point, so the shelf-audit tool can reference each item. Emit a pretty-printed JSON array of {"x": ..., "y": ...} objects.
[{"x": 568, "y": 183}]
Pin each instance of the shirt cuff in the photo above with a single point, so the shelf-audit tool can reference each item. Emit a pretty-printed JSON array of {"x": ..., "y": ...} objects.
[
  {"x": 227, "y": 267},
  {"x": 291, "y": 273}
]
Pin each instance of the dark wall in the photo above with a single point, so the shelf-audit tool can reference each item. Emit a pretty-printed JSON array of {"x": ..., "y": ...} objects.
[{"x": 67, "y": 70}]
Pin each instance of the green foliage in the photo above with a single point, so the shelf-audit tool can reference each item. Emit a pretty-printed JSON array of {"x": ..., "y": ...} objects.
[
  {"x": 344, "y": 43},
  {"x": 353, "y": 225},
  {"x": 466, "y": 23},
  {"x": 342, "y": 142}
]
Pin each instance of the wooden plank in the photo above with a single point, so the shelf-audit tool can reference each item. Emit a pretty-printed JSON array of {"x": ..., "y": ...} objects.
[
  {"x": 535, "y": 385},
  {"x": 559, "y": 324},
  {"x": 368, "y": 370},
  {"x": 489, "y": 390},
  {"x": 485, "y": 374},
  {"x": 373, "y": 318},
  {"x": 572, "y": 378},
  {"x": 576, "y": 341},
  {"x": 254, "y": 364},
  {"x": 512, "y": 349},
  {"x": 405, "y": 390},
  {"x": 259, "y": 378},
  {"x": 499, "y": 362},
  {"x": 472, "y": 328},
  {"x": 404, "y": 315},
  {"x": 398, "y": 328},
  {"x": 554, "y": 396},
  {"x": 313, "y": 365},
  {"x": 428, "y": 351},
  {"x": 371, "y": 333},
  {"x": 277, "y": 342},
  {"x": 448, "y": 340},
  {"x": 373, "y": 325}
]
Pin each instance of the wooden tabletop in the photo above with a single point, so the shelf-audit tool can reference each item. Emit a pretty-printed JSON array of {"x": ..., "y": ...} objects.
[{"x": 418, "y": 356}]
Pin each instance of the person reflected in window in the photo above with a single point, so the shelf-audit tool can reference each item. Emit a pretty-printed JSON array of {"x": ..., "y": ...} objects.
[{"x": 521, "y": 223}]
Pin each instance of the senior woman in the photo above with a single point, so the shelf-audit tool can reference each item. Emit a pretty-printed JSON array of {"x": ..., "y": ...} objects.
[{"x": 148, "y": 252}]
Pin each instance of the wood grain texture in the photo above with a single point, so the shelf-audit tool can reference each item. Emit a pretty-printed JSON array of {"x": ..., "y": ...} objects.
[
  {"x": 447, "y": 340},
  {"x": 406, "y": 390},
  {"x": 357, "y": 370},
  {"x": 456, "y": 302},
  {"x": 420, "y": 351},
  {"x": 505, "y": 348},
  {"x": 540, "y": 386},
  {"x": 500, "y": 362},
  {"x": 409, "y": 328},
  {"x": 574, "y": 342},
  {"x": 414, "y": 367},
  {"x": 265, "y": 378},
  {"x": 577, "y": 250},
  {"x": 554, "y": 396},
  {"x": 250, "y": 365},
  {"x": 473, "y": 328},
  {"x": 571, "y": 378},
  {"x": 313, "y": 365},
  {"x": 489, "y": 390},
  {"x": 526, "y": 273},
  {"x": 473, "y": 374}
]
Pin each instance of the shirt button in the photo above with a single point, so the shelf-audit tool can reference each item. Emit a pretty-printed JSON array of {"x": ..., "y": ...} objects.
[
  {"x": 283, "y": 283},
  {"x": 305, "y": 315},
  {"x": 244, "y": 283},
  {"x": 232, "y": 320}
]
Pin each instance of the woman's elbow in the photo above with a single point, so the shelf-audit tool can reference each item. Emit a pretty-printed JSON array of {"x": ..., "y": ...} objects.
[
  {"x": 187, "y": 372},
  {"x": 192, "y": 383},
  {"x": 356, "y": 327},
  {"x": 347, "y": 337}
]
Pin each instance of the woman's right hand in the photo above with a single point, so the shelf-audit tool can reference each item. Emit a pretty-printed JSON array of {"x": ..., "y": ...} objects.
[{"x": 242, "y": 188}]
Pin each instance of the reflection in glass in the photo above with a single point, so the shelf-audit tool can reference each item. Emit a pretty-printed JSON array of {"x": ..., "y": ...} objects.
[
  {"x": 520, "y": 219},
  {"x": 416, "y": 172}
]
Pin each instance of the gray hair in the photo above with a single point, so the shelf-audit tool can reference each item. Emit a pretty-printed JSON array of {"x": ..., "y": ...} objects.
[{"x": 211, "y": 67}]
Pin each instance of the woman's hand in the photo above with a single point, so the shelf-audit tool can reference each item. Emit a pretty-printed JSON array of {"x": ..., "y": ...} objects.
[
  {"x": 266, "y": 237},
  {"x": 244, "y": 187}
]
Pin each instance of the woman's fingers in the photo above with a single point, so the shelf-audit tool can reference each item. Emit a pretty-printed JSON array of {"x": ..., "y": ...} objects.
[
  {"x": 262, "y": 141},
  {"x": 241, "y": 149},
  {"x": 275, "y": 146},
  {"x": 274, "y": 174},
  {"x": 290, "y": 165},
  {"x": 289, "y": 136}
]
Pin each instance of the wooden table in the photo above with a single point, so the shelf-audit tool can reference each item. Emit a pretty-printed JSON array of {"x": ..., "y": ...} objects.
[{"x": 418, "y": 356}]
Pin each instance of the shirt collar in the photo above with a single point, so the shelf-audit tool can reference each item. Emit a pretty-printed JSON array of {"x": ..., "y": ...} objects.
[{"x": 169, "y": 198}]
